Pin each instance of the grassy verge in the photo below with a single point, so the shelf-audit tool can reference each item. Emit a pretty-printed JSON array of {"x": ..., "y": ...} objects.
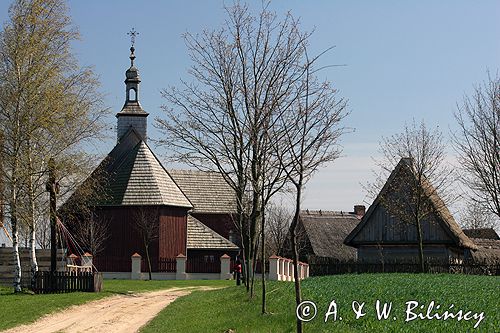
[
  {"x": 230, "y": 308},
  {"x": 17, "y": 309}
]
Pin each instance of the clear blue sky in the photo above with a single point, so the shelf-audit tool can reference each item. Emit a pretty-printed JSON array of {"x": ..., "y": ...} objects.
[{"x": 404, "y": 60}]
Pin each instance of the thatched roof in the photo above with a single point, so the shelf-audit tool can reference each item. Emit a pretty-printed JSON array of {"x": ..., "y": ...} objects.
[
  {"x": 445, "y": 219},
  {"x": 488, "y": 251},
  {"x": 326, "y": 232},
  {"x": 207, "y": 191},
  {"x": 484, "y": 233}
]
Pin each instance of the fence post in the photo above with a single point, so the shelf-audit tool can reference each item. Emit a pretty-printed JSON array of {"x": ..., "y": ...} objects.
[
  {"x": 180, "y": 273},
  {"x": 288, "y": 267},
  {"x": 87, "y": 259},
  {"x": 274, "y": 262},
  {"x": 225, "y": 267},
  {"x": 136, "y": 267},
  {"x": 71, "y": 259},
  {"x": 282, "y": 275}
]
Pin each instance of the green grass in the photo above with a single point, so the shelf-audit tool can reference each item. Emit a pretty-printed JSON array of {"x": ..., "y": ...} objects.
[
  {"x": 230, "y": 308},
  {"x": 22, "y": 308}
]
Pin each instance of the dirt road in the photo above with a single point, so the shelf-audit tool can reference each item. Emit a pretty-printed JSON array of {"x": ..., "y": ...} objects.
[{"x": 121, "y": 313}]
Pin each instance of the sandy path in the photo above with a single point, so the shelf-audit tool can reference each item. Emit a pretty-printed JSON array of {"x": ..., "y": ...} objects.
[{"x": 121, "y": 313}]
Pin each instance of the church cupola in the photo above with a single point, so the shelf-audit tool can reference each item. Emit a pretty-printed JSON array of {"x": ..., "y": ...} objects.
[{"x": 132, "y": 115}]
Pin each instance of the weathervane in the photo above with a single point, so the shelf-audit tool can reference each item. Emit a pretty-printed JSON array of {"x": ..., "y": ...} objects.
[{"x": 132, "y": 33}]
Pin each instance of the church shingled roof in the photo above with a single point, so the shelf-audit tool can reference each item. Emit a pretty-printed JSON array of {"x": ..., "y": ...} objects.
[
  {"x": 201, "y": 237},
  {"x": 138, "y": 178},
  {"x": 207, "y": 191}
]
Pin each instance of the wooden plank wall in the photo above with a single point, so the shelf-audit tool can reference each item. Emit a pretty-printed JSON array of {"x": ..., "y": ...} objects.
[
  {"x": 123, "y": 241},
  {"x": 7, "y": 264},
  {"x": 173, "y": 232},
  {"x": 384, "y": 228}
]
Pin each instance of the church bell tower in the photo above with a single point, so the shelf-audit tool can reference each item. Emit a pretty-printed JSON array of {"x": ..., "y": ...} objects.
[{"x": 132, "y": 115}]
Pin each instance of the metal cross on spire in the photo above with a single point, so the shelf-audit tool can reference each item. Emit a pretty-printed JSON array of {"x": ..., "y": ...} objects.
[{"x": 132, "y": 33}]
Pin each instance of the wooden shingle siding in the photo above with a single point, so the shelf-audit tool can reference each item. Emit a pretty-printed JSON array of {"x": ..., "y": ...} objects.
[
  {"x": 220, "y": 223},
  {"x": 207, "y": 191},
  {"x": 202, "y": 237}
]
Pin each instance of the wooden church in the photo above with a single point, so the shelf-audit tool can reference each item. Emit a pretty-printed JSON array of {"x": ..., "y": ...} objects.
[{"x": 191, "y": 211}]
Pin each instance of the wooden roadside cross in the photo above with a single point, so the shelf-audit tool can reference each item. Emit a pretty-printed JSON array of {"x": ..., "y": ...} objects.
[{"x": 52, "y": 187}]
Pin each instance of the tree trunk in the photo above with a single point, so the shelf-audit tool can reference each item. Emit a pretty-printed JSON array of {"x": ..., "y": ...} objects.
[
  {"x": 298, "y": 297},
  {"x": 263, "y": 264},
  {"x": 149, "y": 261},
  {"x": 421, "y": 260},
  {"x": 32, "y": 231},
  {"x": 15, "y": 232},
  {"x": 15, "y": 251}
]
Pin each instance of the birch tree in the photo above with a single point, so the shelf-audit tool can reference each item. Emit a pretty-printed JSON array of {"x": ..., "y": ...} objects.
[{"x": 49, "y": 106}]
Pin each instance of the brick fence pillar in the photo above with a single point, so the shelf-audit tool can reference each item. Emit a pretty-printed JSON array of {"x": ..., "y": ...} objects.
[
  {"x": 274, "y": 269},
  {"x": 180, "y": 272},
  {"x": 225, "y": 267},
  {"x": 136, "y": 267},
  {"x": 87, "y": 260}
]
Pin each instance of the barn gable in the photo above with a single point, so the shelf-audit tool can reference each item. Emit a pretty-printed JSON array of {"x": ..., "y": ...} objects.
[{"x": 378, "y": 226}]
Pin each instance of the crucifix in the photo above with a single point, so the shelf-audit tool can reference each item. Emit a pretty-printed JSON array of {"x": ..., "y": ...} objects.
[
  {"x": 132, "y": 33},
  {"x": 52, "y": 187}
]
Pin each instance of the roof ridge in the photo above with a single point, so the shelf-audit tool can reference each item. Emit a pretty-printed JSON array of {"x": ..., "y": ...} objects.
[{"x": 169, "y": 176}]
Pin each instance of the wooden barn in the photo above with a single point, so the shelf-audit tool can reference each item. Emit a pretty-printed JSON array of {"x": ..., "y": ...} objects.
[
  {"x": 321, "y": 234},
  {"x": 488, "y": 246},
  {"x": 187, "y": 212},
  {"x": 382, "y": 235}
]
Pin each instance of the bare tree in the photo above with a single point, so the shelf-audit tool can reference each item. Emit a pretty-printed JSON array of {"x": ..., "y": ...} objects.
[
  {"x": 474, "y": 216},
  {"x": 245, "y": 74},
  {"x": 419, "y": 152},
  {"x": 146, "y": 223},
  {"x": 278, "y": 218},
  {"x": 92, "y": 233},
  {"x": 308, "y": 139},
  {"x": 478, "y": 143}
]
